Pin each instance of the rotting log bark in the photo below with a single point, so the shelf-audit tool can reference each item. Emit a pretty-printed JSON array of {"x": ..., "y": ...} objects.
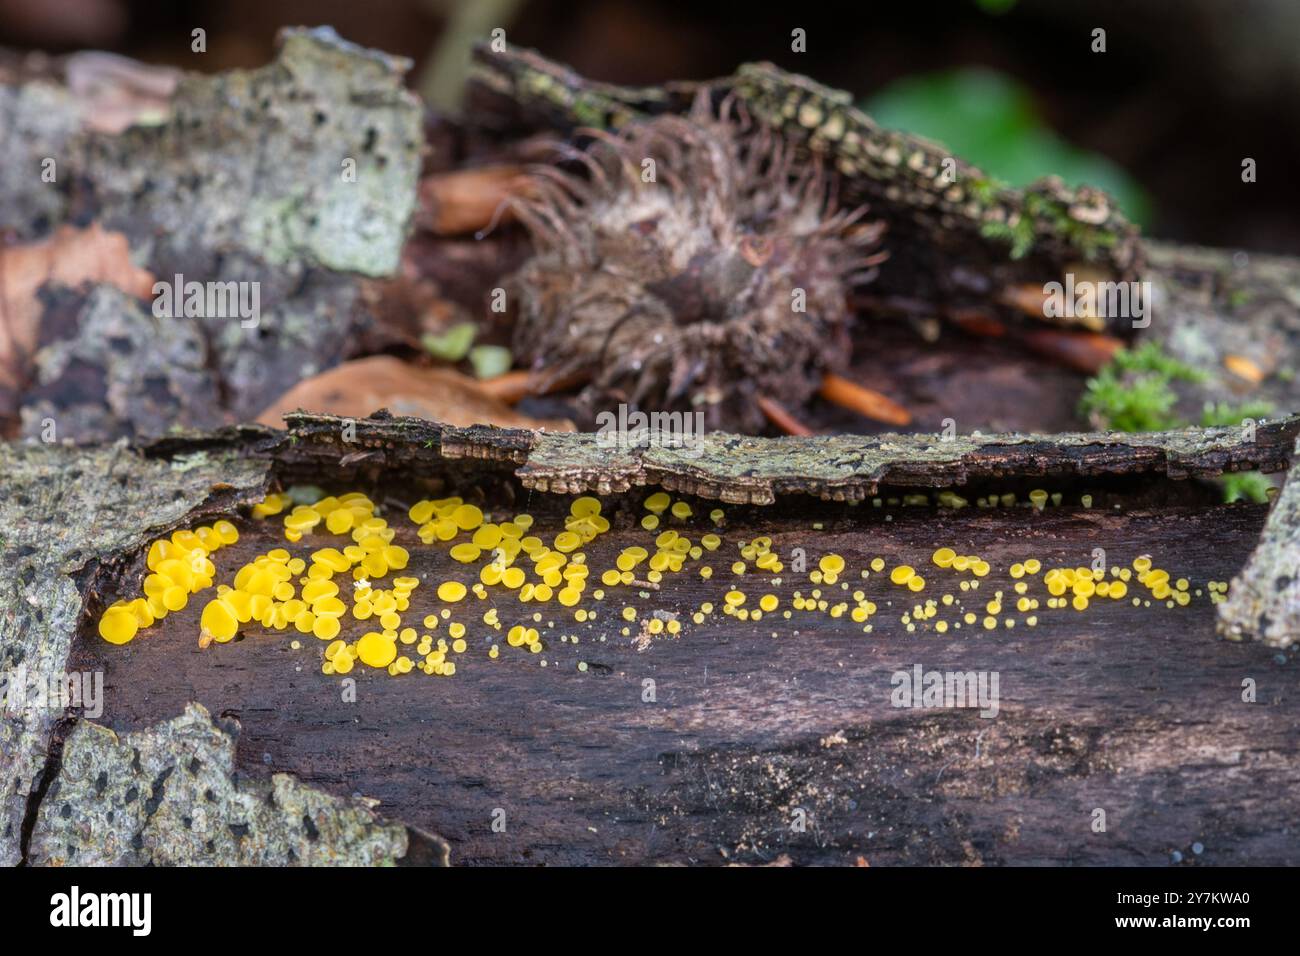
[
  {"x": 169, "y": 795},
  {"x": 70, "y": 515},
  {"x": 749, "y": 729},
  {"x": 743, "y": 470},
  {"x": 706, "y": 747},
  {"x": 1264, "y": 603},
  {"x": 294, "y": 180}
]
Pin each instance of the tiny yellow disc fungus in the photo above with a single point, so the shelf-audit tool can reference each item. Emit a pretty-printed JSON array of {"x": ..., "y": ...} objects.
[
  {"x": 902, "y": 574},
  {"x": 375, "y": 650},
  {"x": 325, "y": 628},
  {"x": 451, "y": 591},
  {"x": 118, "y": 624},
  {"x": 830, "y": 564},
  {"x": 218, "y": 619}
]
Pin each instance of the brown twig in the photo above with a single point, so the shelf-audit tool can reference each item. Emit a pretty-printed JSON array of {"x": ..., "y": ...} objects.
[
  {"x": 782, "y": 419},
  {"x": 865, "y": 401},
  {"x": 1085, "y": 351}
]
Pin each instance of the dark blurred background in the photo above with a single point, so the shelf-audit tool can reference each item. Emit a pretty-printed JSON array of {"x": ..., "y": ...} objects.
[{"x": 1163, "y": 118}]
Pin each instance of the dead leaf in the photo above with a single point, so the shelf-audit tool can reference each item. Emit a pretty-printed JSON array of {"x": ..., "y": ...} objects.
[
  {"x": 357, "y": 389},
  {"x": 468, "y": 200},
  {"x": 69, "y": 257}
]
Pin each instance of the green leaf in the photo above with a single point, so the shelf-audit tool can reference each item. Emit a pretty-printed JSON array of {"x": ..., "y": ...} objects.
[
  {"x": 489, "y": 361},
  {"x": 451, "y": 345}
]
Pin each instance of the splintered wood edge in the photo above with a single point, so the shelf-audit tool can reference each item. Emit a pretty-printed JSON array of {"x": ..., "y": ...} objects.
[
  {"x": 744, "y": 470},
  {"x": 1264, "y": 600}
]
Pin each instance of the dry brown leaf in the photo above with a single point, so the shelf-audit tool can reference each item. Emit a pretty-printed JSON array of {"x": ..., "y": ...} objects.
[
  {"x": 356, "y": 389},
  {"x": 70, "y": 257},
  {"x": 468, "y": 200}
]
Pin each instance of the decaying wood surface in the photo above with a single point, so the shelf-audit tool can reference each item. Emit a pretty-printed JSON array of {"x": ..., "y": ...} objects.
[
  {"x": 752, "y": 746},
  {"x": 1265, "y": 601},
  {"x": 1136, "y": 711}
]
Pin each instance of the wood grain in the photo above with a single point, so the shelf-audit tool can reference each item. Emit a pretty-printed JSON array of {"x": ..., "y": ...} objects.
[{"x": 1137, "y": 711}]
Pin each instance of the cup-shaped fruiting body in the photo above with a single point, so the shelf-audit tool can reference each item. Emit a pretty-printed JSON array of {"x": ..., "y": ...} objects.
[{"x": 690, "y": 263}]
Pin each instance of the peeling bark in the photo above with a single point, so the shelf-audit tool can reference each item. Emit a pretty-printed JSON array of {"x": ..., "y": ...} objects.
[
  {"x": 1264, "y": 602},
  {"x": 298, "y": 177},
  {"x": 170, "y": 796},
  {"x": 741, "y": 469}
]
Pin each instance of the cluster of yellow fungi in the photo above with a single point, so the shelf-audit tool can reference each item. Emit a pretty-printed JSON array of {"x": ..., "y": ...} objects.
[
  {"x": 179, "y": 566},
  {"x": 317, "y": 593}
]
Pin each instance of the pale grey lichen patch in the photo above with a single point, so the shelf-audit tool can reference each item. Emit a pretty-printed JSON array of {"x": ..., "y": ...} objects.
[
  {"x": 1264, "y": 600},
  {"x": 64, "y": 511},
  {"x": 118, "y": 371},
  {"x": 262, "y": 161},
  {"x": 290, "y": 181},
  {"x": 1213, "y": 306},
  {"x": 38, "y": 121},
  {"x": 169, "y": 795}
]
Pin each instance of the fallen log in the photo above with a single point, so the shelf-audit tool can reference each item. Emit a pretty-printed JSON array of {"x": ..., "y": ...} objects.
[{"x": 724, "y": 743}]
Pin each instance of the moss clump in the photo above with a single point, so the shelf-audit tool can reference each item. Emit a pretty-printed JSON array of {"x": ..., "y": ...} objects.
[
  {"x": 1019, "y": 234},
  {"x": 1246, "y": 486},
  {"x": 1135, "y": 393}
]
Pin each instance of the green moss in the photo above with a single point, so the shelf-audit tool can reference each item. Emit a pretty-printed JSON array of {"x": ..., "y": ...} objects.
[
  {"x": 985, "y": 190},
  {"x": 1246, "y": 485},
  {"x": 1019, "y": 235},
  {"x": 1135, "y": 393}
]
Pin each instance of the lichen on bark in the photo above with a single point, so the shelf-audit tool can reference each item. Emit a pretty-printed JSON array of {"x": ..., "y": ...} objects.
[
  {"x": 743, "y": 469},
  {"x": 1264, "y": 599},
  {"x": 66, "y": 513},
  {"x": 294, "y": 179},
  {"x": 169, "y": 795},
  {"x": 258, "y": 161}
]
